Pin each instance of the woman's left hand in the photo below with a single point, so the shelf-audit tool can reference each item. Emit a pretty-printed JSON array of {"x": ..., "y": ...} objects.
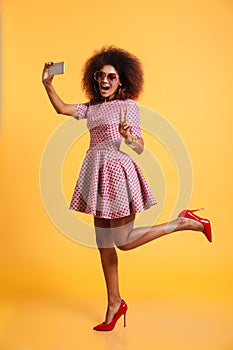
[
  {"x": 124, "y": 130},
  {"x": 124, "y": 126}
]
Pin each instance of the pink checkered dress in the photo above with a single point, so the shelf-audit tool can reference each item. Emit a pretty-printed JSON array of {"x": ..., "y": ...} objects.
[{"x": 110, "y": 183}]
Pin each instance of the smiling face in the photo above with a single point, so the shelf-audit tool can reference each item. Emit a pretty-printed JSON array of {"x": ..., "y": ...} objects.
[{"x": 108, "y": 81}]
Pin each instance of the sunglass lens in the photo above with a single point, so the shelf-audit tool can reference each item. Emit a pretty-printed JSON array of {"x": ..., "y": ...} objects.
[
  {"x": 112, "y": 77},
  {"x": 99, "y": 75}
]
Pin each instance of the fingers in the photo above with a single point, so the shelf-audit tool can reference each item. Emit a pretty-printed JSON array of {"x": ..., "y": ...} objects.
[
  {"x": 121, "y": 116},
  {"x": 46, "y": 77},
  {"x": 48, "y": 64},
  {"x": 124, "y": 116},
  {"x": 125, "y": 126},
  {"x": 124, "y": 122}
]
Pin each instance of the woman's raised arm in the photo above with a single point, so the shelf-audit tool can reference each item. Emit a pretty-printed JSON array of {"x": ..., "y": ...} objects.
[{"x": 59, "y": 106}]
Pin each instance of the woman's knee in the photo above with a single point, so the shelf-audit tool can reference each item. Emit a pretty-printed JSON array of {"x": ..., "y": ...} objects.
[
  {"x": 121, "y": 229},
  {"x": 104, "y": 237},
  {"x": 120, "y": 239},
  {"x": 103, "y": 233},
  {"x": 124, "y": 247}
]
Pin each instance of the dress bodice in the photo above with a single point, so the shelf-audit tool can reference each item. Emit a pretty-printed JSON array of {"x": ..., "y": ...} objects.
[
  {"x": 105, "y": 137},
  {"x": 110, "y": 184}
]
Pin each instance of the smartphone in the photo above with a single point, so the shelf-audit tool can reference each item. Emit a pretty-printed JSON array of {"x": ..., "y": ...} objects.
[{"x": 57, "y": 68}]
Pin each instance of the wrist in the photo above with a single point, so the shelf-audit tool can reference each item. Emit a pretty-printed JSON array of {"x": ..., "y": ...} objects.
[
  {"x": 46, "y": 84},
  {"x": 131, "y": 141},
  {"x": 130, "y": 138},
  {"x": 49, "y": 88}
]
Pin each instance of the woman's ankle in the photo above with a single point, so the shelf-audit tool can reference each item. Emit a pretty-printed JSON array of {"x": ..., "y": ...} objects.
[{"x": 113, "y": 301}]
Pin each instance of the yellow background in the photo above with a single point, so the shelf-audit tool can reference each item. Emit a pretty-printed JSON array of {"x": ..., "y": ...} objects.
[{"x": 187, "y": 52}]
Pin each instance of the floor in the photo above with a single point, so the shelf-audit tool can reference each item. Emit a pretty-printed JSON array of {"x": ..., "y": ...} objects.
[{"x": 49, "y": 324}]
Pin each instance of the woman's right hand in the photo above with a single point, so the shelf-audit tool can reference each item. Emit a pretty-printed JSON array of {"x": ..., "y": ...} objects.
[
  {"x": 58, "y": 104},
  {"x": 46, "y": 78}
]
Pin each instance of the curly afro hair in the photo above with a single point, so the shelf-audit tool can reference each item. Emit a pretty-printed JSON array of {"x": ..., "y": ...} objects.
[{"x": 126, "y": 64}]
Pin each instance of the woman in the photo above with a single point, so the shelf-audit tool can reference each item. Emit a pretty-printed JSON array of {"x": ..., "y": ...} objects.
[{"x": 111, "y": 186}]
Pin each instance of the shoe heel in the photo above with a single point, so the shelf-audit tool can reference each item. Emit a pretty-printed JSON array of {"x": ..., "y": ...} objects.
[
  {"x": 205, "y": 222},
  {"x": 184, "y": 213},
  {"x": 192, "y": 211}
]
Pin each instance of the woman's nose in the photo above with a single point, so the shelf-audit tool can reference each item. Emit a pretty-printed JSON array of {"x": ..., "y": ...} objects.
[{"x": 104, "y": 78}]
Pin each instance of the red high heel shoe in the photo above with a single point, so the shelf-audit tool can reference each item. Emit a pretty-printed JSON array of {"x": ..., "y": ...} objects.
[
  {"x": 206, "y": 223},
  {"x": 109, "y": 326}
]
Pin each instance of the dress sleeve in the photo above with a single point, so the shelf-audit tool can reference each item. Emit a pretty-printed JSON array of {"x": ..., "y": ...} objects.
[
  {"x": 134, "y": 118},
  {"x": 81, "y": 109}
]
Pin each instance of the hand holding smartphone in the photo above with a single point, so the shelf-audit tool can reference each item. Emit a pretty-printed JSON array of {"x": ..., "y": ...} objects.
[{"x": 57, "y": 68}]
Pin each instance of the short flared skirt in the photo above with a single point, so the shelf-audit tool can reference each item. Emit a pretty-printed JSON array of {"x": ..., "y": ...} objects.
[{"x": 110, "y": 185}]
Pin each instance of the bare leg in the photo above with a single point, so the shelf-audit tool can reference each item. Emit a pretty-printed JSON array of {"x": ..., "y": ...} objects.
[
  {"x": 121, "y": 232},
  {"x": 109, "y": 262},
  {"x": 126, "y": 237}
]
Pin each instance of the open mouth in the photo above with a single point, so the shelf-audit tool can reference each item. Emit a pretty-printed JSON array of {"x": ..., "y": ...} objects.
[{"x": 105, "y": 87}]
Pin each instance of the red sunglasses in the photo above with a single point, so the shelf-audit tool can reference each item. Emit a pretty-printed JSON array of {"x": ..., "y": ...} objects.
[{"x": 111, "y": 77}]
